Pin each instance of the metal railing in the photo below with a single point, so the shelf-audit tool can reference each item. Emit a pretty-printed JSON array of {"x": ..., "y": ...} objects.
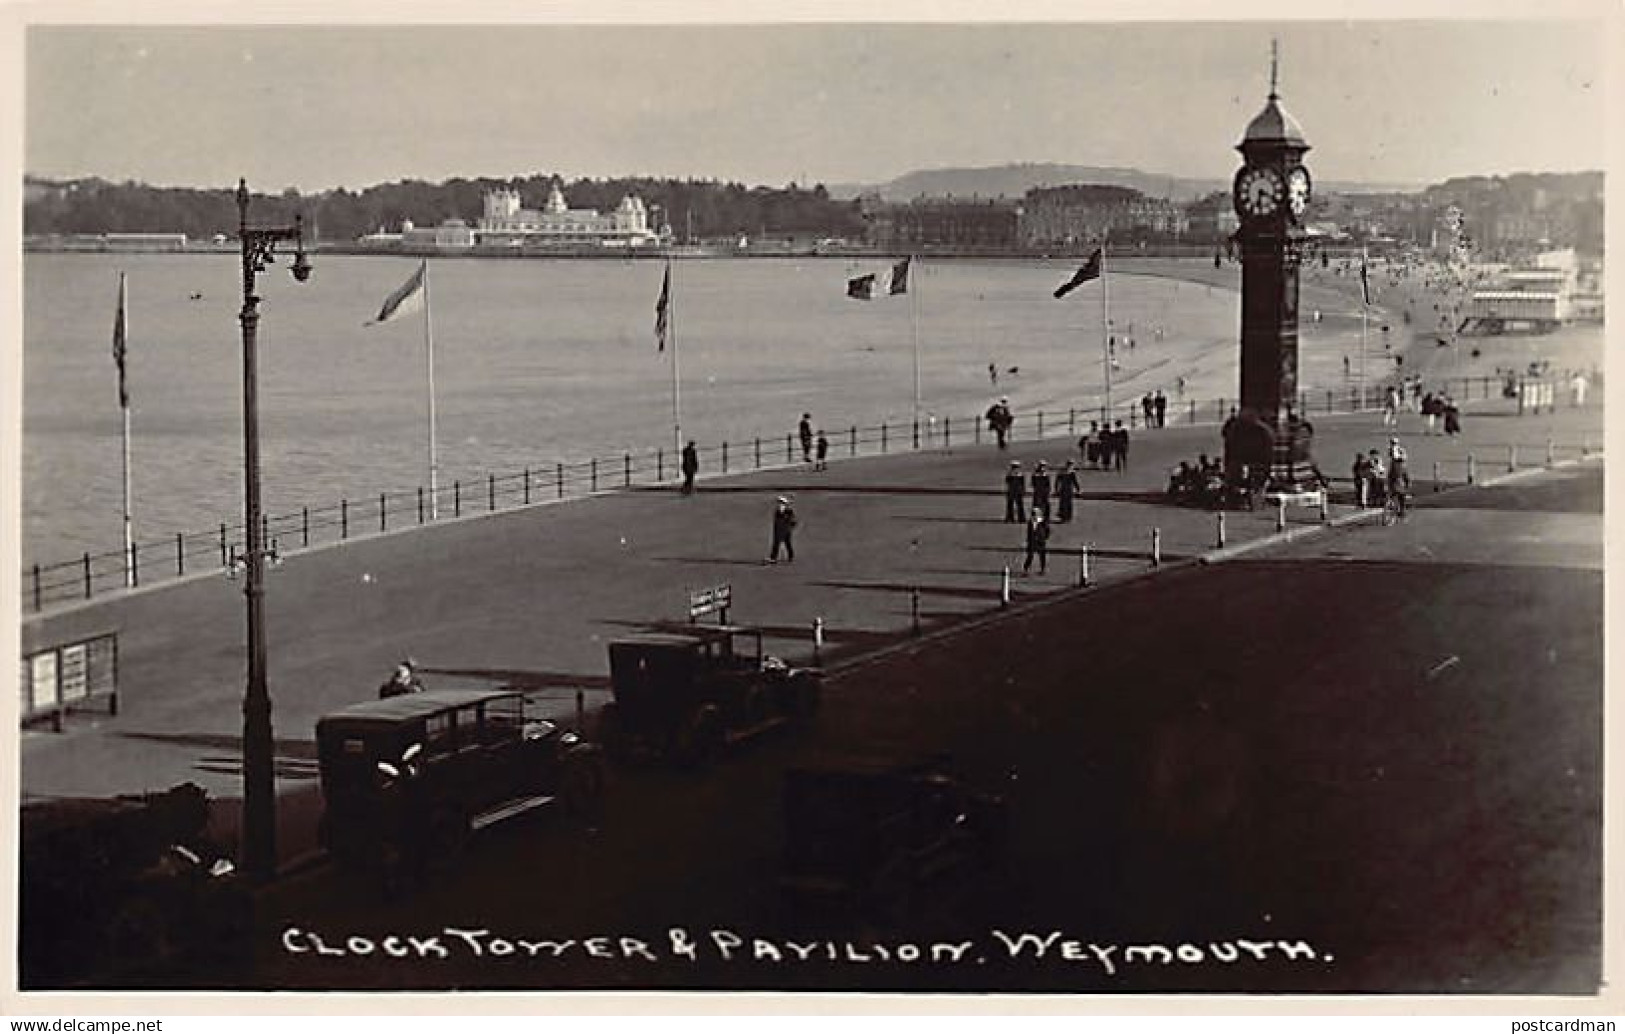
[{"x": 217, "y": 549}]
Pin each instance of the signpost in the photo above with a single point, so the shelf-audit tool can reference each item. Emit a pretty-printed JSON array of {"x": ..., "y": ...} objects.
[{"x": 715, "y": 600}]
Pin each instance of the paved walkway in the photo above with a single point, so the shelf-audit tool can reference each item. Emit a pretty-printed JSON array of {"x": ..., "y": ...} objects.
[{"x": 531, "y": 596}]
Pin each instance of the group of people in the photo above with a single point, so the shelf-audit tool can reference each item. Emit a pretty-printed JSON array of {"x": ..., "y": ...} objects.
[
  {"x": 1063, "y": 487},
  {"x": 1155, "y": 408},
  {"x": 1376, "y": 481},
  {"x": 813, "y": 451},
  {"x": 1201, "y": 483},
  {"x": 1105, "y": 448},
  {"x": 1436, "y": 408}
]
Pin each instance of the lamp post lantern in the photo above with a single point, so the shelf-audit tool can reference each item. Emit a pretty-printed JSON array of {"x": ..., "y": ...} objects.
[{"x": 259, "y": 778}]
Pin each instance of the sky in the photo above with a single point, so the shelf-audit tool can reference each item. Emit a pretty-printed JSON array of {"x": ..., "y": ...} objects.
[{"x": 321, "y": 106}]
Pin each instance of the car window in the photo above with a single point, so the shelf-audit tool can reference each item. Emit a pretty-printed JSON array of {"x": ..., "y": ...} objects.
[
  {"x": 438, "y": 732},
  {"x": 468, "y": 725},
  {"x": 504, "y": 719}
]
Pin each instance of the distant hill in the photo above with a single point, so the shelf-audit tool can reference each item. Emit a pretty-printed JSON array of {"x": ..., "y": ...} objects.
[{"x": 1013, "y": 181}]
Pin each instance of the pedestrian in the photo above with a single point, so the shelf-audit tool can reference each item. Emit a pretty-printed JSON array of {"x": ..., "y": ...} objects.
[
  {"x": 691, "y": 466},
  {"x": 993, "y": 374},
  {"x": 1041, "y": 488},
  {"x": 999, "y": 419},
  {"x": 1577, "y": 390},
  {"x": 1015, "y": 491},
  {"x": 1089, "y": 445},
  {"x": 806, "y": 433},
  {"x": 1390, "y": 406},
  {"x": 404, "y": 680},
  {"x": 1066, "y": 487},
  {"x": 1037, "y": 543},
  {"x": 1120, "y": 448},
  {"x": 1148, "y": 406},
  {"x": 1159, "y": 404},
  {"x": 821, "y": 462},
  {"x": 784, "y": 527},
  {"x": 1430, "y": 411},
  {"x": 1452, "y": 417}
]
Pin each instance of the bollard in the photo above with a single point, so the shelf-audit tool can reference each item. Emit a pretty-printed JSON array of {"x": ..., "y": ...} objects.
[
  {"x": 1156, "y": 547},
  {"x": 1084, "y": 576},
  {"x": 914, "y": 607},
  {"x": 1512, "y": 458},
  {"x": 1004, "y": 583},
  {"x": 1221, "y": 530},
  {"x": 1325, "y": 506},
  {"x": 1551, "y": 452},
  {"x": 1436, "y": 478},
  {"x": 1472, "y": 470},
  {"x": 818, "y": 638},
  {"x": 1280, "y": 514},
  {"x": 180, "y": 555}
]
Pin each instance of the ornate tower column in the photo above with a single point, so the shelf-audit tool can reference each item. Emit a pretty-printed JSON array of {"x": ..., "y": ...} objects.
[{"x": 1271, "y": 194}]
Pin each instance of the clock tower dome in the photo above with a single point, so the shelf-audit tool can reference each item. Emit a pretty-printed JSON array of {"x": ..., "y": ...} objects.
[{"x": 1271, "y": 196}]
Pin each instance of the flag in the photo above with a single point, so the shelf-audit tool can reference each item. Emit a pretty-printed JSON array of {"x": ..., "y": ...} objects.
[
  {"x": 872, "y": 285},
  {"x": 407, "y": 298},
  {"x": 1090, "y": 270},
  {"x": 899, "y": 278},
  {"x": 119, "y": 332},
  {"x": 663, "y": 311},
  {"x": 1365, "y": 285}
]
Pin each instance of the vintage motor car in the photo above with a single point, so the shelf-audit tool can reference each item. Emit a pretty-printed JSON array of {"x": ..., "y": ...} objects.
[
  {"x": 879, "y": 841},
  {"x": 686, "y": 694},
  {"x": 406, "y": 780}
]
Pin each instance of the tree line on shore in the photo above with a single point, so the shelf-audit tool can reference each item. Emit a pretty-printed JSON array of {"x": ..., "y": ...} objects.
[{"x": 696, "y": 209}]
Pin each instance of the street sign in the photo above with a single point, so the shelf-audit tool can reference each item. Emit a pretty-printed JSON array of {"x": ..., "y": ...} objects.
[{"x": 710, "y": 601}]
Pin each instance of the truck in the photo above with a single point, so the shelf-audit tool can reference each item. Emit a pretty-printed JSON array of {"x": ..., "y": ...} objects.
[
  {"x": 407, "y": 780},
  {"x": 685, "y": 694}
]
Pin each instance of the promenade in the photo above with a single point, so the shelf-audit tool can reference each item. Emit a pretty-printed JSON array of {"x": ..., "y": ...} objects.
[{"x": 530, "y": 596}]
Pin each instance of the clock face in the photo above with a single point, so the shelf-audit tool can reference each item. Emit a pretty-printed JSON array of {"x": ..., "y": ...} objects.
[
  {"x": 1259, "y": 192},
  {"x": 1297, "y": 190}
]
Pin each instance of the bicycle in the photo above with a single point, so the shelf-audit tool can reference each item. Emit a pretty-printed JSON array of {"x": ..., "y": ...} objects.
[{"x": 1396, "y": 504}]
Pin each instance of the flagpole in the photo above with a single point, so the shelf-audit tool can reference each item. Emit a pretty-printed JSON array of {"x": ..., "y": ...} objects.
[
  {"x": 428, "y": 354},
  {"x": 124, "y": 406},
  {"x": 676, "y": 394},
  {"x": 914, "y": 314},
  {"x": 1365, "y": 307},
  {"x": 1105, "y": 329}
]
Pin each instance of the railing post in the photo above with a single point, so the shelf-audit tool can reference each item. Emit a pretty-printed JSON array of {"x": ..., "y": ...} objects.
[
  {"x": 1328, "y": 400},
  {"x": 660, "y": 465},
  {"x": 304, "y": 520},
  {"x": 527, "y": 486},
  {"x": 344, "y": 519},
  {"x": 383, "y": 513},
  {"x": 789, "y": 448},
  {"x": 725, "y": 457},
  {"x": 976, "y": 430},
  {"x": 225, "y": 559},
  {"x": 37, "y": 598},
  {"x": 594, "y": 462},
  {"x": 420, "y": 504},
  {"x": 490, "y": 492},
  {"x": 627, "y": 481},
  {"x": 456, "y": 498},
  {"x": 1040, "y": 424},
  {"x": 135, "y": 566},
  {"x": 1512, "y": 458},
  {"x": 914, "y": 606},
  {"x": 1072, "y": 420},
  {"x": 559, "y": 475},
  {"x": 87, "y": 575},
  {"x": 852, "y": 439},
  {"x": 1472, "y": 470},
  {"x": 947, "y": 432},
  {"x": 883, "y": 436},
  {"x": 916, "y": 432},
  {"x": 757, "y": 446},
  {"x": 1193, "y": 412},
  {"x": 180, "y": 555}
]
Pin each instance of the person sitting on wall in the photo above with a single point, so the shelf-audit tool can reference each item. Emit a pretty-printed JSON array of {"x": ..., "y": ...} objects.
[{"x": 405, "y": 680}]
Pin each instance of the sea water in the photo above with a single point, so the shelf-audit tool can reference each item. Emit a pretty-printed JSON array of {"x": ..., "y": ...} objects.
[{"x": 539, "y": 361}]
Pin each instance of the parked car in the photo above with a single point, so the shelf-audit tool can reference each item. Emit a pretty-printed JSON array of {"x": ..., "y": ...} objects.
[
  {"x": 685, "y": 695},
  {"x": 882, "y": 842},
  {"x": 408, "y": 779},
  {"x": 126, "y": 890}
]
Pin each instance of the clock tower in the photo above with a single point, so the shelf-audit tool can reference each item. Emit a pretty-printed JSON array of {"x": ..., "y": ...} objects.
[{"x": 1271, "y": 195}]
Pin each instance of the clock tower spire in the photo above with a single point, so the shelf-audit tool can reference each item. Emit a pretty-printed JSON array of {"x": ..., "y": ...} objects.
[{"x": 1271, "y": 195}]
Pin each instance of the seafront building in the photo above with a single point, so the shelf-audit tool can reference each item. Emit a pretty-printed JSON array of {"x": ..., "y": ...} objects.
[{"x": 505, "y": 222}]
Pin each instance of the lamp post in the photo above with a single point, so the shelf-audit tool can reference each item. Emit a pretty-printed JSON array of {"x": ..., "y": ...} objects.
[{"x": 259, "y": 778}]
